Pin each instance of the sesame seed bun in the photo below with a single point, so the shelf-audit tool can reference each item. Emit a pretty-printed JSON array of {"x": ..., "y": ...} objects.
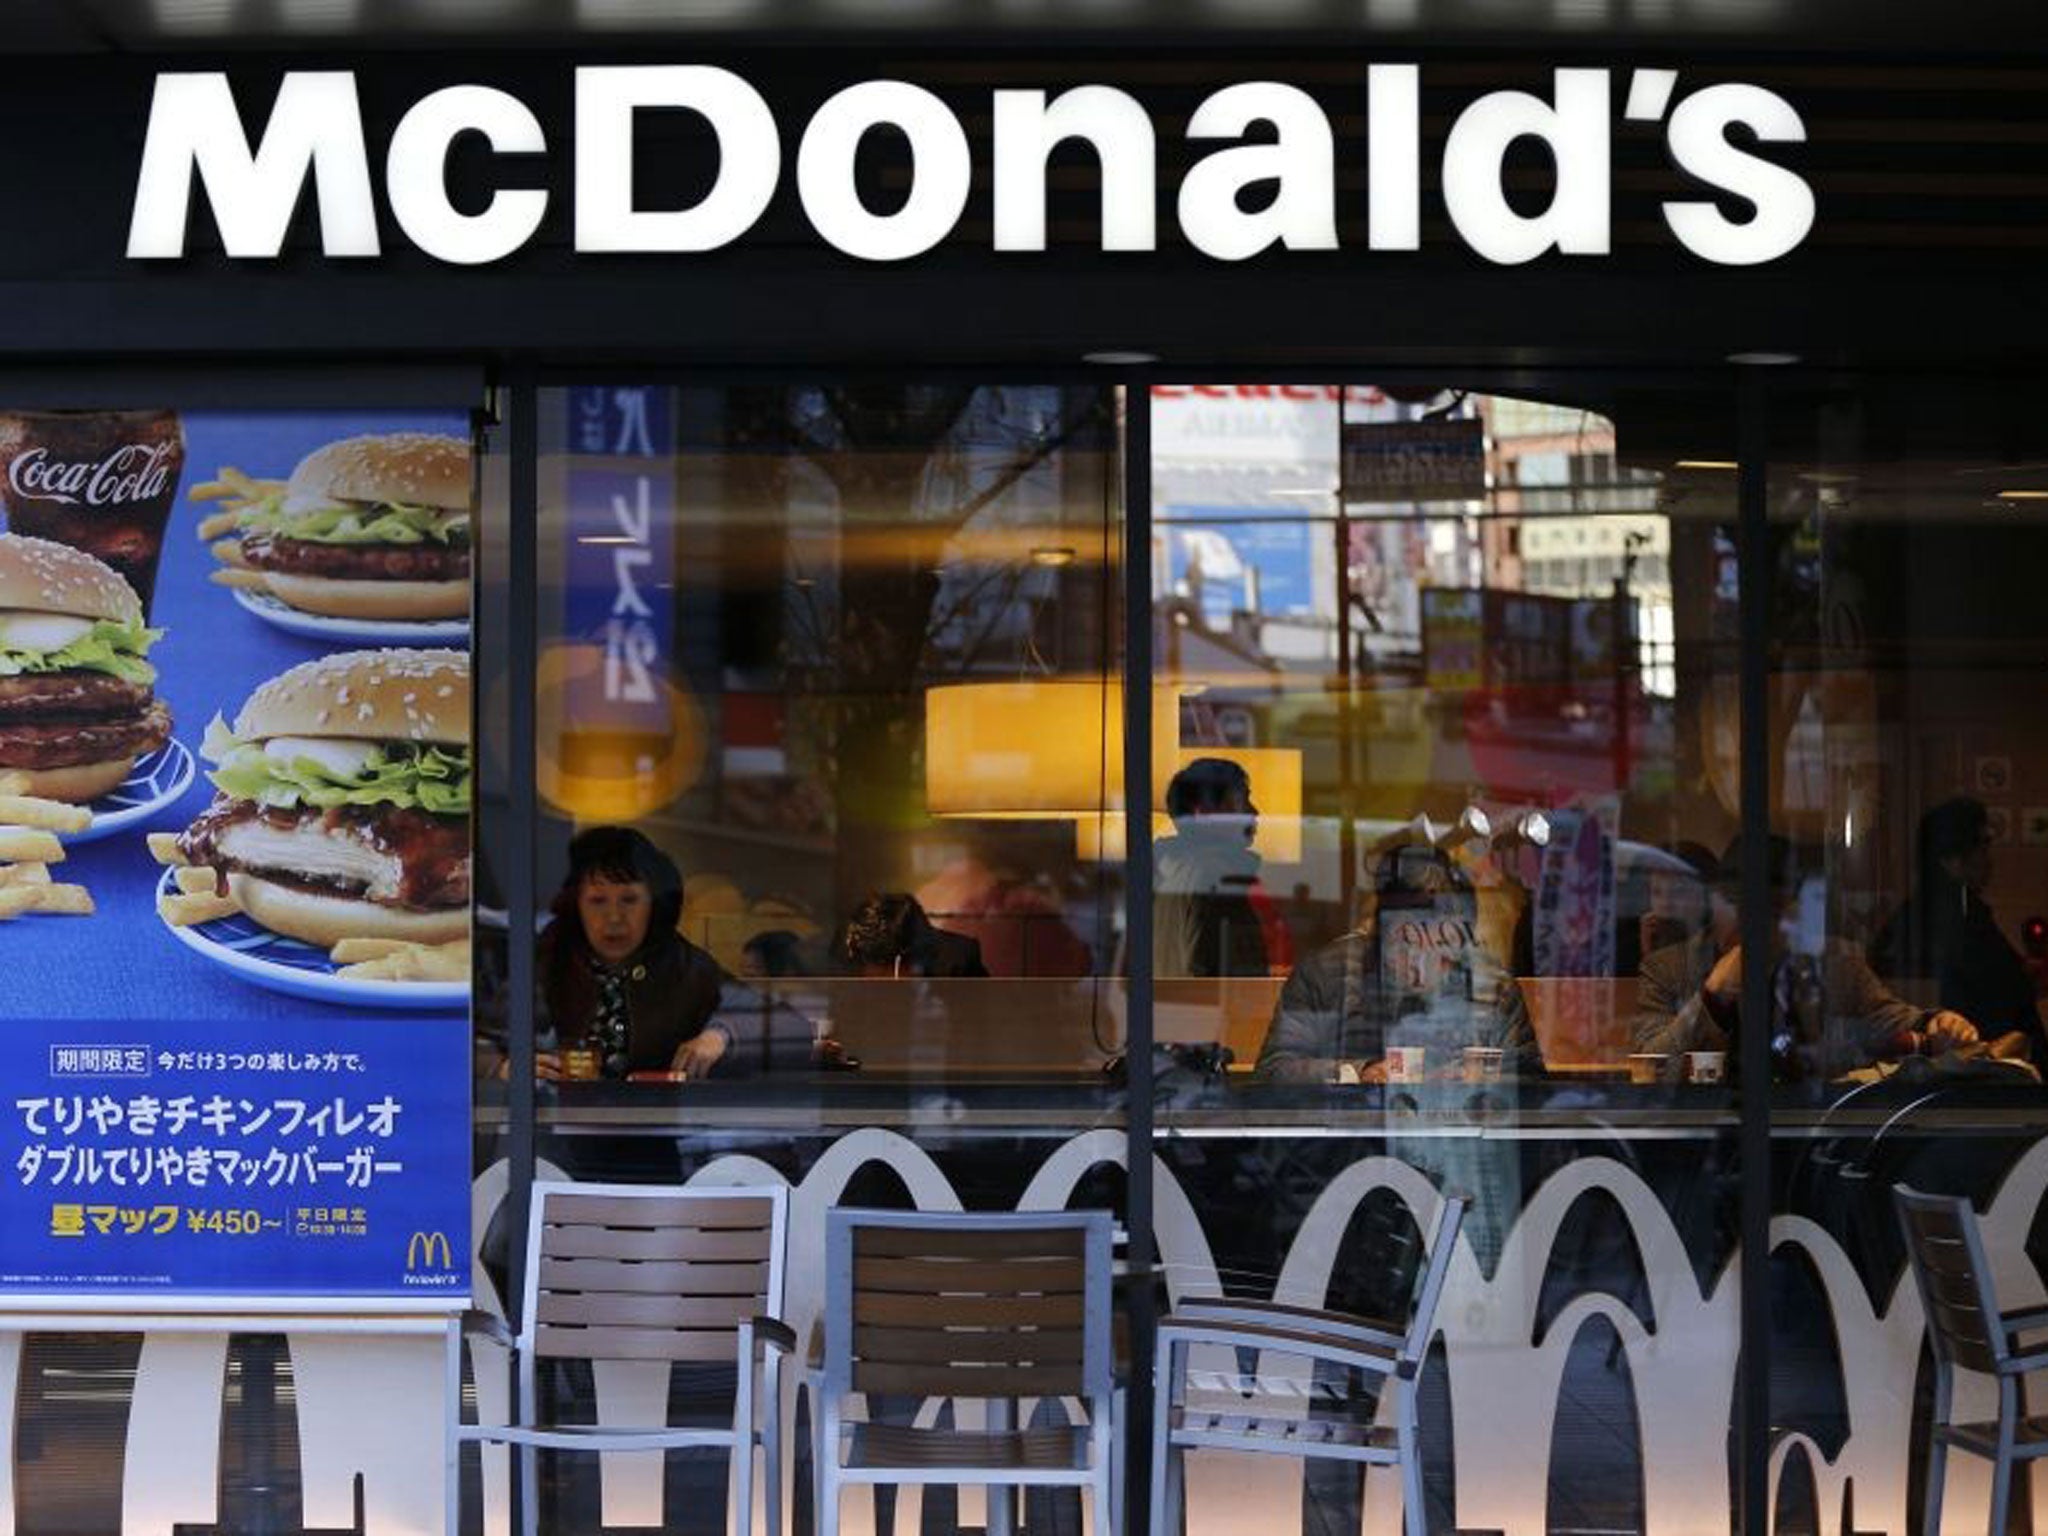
[
  {"x": 422, "y": 468},
  {"x": 326, "y": 920},
  {"x": 46, "y": 577},
  {"x": 388, "y": 695},
  {"x": 369, "y": 599}
]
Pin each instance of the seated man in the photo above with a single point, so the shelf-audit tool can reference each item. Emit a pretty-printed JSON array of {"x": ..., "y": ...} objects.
[
  {"x": 1830, "y": 1013},
  {"x": 1413, "y": 972}
]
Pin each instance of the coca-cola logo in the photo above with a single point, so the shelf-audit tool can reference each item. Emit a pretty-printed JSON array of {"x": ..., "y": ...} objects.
[{"x": 133, "y": 472}]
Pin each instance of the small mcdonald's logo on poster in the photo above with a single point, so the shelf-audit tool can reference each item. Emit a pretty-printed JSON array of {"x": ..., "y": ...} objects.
[{"x": 428, "y": 1250}]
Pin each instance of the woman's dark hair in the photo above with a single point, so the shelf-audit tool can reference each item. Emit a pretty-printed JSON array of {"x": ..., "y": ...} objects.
[
  {"x": 622, "y": 855},
  {"x": 778, "y": 951},
  {"x": 885, "y": 926}
]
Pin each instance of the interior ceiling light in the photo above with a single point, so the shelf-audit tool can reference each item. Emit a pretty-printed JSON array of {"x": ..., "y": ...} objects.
[
  {"x": 1045, "y": 554},
  {"x": 2023, "y": 495},
  {"x": 1707, "y": 464},
  {"x": 1115, "y": 358},
  {"x": 1763, "y": 359}
]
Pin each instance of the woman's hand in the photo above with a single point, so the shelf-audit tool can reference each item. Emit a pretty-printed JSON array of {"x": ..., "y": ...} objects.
[{"x": 697, "y": 1055}]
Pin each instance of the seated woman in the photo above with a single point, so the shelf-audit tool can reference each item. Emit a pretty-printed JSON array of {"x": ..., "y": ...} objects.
[
  {"x": 890, "y": 935},
  {"x": 1413, "y": 972},
  {"x": 614, "y": 975}
]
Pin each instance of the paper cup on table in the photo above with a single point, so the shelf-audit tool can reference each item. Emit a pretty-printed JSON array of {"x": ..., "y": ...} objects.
[
  {"x": 1406, "y": 1063},
  {"x": 1646, "y": 1066},
  {"x": 1706, "y": 1066},
  {"x": 1482, "y": 1063}
]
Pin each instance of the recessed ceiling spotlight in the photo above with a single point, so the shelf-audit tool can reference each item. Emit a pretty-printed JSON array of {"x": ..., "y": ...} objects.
[
  {"x": 1046, "y": 554},
  {"x": 2023, "y": 495},
  {"x": 1116, "y": 358},
  {"x": 1706, "y": 464}
]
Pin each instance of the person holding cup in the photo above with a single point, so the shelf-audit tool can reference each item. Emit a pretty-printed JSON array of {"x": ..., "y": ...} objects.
[
  {"x": 621, "y": 990},
  {"x": 1830, "y": 1013},
  {"x": 1407, "y": 992}
]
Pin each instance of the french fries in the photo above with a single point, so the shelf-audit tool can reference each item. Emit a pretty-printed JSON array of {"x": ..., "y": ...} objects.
[
  {"x": 401, "y": 960},
  {"x": 240, "y": 579},
  {"x": 58, "y": 900},
  {"x": 196, "y": 879},
  {"x": 184, "y": 909},
  {"x": 31, "y": 811},
  {"x": 163, "y": 847},
  {"x": 29, "y": 845}
]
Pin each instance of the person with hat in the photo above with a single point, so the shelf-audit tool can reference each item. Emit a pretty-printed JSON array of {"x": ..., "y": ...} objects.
[
  {"x": 1830, "y": 1013},
  {"x": 616, "y": 979},
  {"x": 1946, "y": 934}
]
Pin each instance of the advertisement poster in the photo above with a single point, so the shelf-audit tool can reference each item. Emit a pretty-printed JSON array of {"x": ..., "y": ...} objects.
[{"x": 235, "y": 859}]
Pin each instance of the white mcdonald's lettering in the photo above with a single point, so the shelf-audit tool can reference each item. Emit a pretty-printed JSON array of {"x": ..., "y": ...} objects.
[{"x": 1264, "y": 137}]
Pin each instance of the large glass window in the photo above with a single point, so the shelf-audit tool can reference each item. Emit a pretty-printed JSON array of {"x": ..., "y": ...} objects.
[
  {"x": 1907, "y": 786},
  {"x": 1456, "y": 682}
]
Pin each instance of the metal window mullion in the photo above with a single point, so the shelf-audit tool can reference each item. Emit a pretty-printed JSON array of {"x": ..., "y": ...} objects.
[
  {"x": 1757, "y": 920},
  {"x": 1137, "y": 788}
]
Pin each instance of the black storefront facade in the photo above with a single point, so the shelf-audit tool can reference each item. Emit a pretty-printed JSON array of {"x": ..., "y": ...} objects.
[{"x": 1740, "y": 505}]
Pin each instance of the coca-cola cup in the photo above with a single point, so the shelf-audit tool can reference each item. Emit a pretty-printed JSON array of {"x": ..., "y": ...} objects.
[{"x": 100, "y": 481}]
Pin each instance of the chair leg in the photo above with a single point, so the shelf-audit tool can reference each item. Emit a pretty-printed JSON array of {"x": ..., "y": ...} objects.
[
  {"x": 1166, "y": 1475},
  {"x": 2002, "y": 1463},
  {"x": 771, "y": 1474},
  {"x": 1937, "y": 1468},
  {"x": 1414, "y": 1514},
  {"x": 743, "y": 1485},
  {"x": 1118, "y": 1471}
]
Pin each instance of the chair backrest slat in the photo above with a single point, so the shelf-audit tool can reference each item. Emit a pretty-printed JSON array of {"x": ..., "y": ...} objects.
[
  {"x": 1443, "y": 1241},
  {"x": 624, "y": 1272},
  {"x": 696, "y": 1344},
  {"x": 1953, "y": 1278},
  {"x": 938, "y": 1304}
]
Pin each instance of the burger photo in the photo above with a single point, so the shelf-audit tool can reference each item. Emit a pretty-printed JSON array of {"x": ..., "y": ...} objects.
[
  {"x": 373, "y": 527},
  {"x": 77, "y": 699},
  {"x": 342, "y": 800}
]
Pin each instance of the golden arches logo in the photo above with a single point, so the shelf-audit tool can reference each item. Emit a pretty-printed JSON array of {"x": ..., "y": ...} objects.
[{"x": 428, "y": 1250}]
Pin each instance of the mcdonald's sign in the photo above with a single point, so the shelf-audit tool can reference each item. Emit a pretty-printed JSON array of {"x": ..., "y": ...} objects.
[{"x": 428, "y": 1250}]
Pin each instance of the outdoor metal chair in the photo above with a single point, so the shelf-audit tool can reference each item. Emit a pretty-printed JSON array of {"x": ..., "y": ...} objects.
[
  {"x": 995, "y": 1308},
  {"x": 1229, "y": 1419},
  {"x": 1967, "y": 1330},
  {"x": 654, "y": 1273}
]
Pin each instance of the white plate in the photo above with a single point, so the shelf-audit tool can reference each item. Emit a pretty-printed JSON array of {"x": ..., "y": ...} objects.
[
  {"x": 320, "y": 626},
  {"x": 156, "y": 781},
  {"x": 244, "y": 946}
]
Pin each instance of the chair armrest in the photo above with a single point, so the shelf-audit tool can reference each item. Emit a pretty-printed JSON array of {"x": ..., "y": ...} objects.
[
  {"x": 2021, "y": 1365},
  {"x": 490, "y": 1326},
  {"x": 2024, "y": 1321},
  {"x": 1276, "y": 1314},
  {"x": 1288, "y": 1341},
  {"x": 773, "y": 1333}
]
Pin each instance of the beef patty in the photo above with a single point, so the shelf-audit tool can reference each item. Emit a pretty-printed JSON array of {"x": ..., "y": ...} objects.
[
  {"x": 357, "y": 562},
  {"x": 48, "y": 742},
  {"x": 75, "y": 692}
]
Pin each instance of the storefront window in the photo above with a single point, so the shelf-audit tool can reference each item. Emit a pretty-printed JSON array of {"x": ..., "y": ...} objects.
[
  {"x": 1455, "y": 674},
  {"x": 1906, "y": 781}
]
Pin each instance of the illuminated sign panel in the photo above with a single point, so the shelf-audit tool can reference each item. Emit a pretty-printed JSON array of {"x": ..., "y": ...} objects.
[{"x": 1254, "y": 137}]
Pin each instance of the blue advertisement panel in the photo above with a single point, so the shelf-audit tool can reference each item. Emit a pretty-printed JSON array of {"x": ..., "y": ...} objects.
[
  {"x": 189, "y": 1157},
  {"x": 621, "y": 497},
  {"x": 235, "y": 850}
]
